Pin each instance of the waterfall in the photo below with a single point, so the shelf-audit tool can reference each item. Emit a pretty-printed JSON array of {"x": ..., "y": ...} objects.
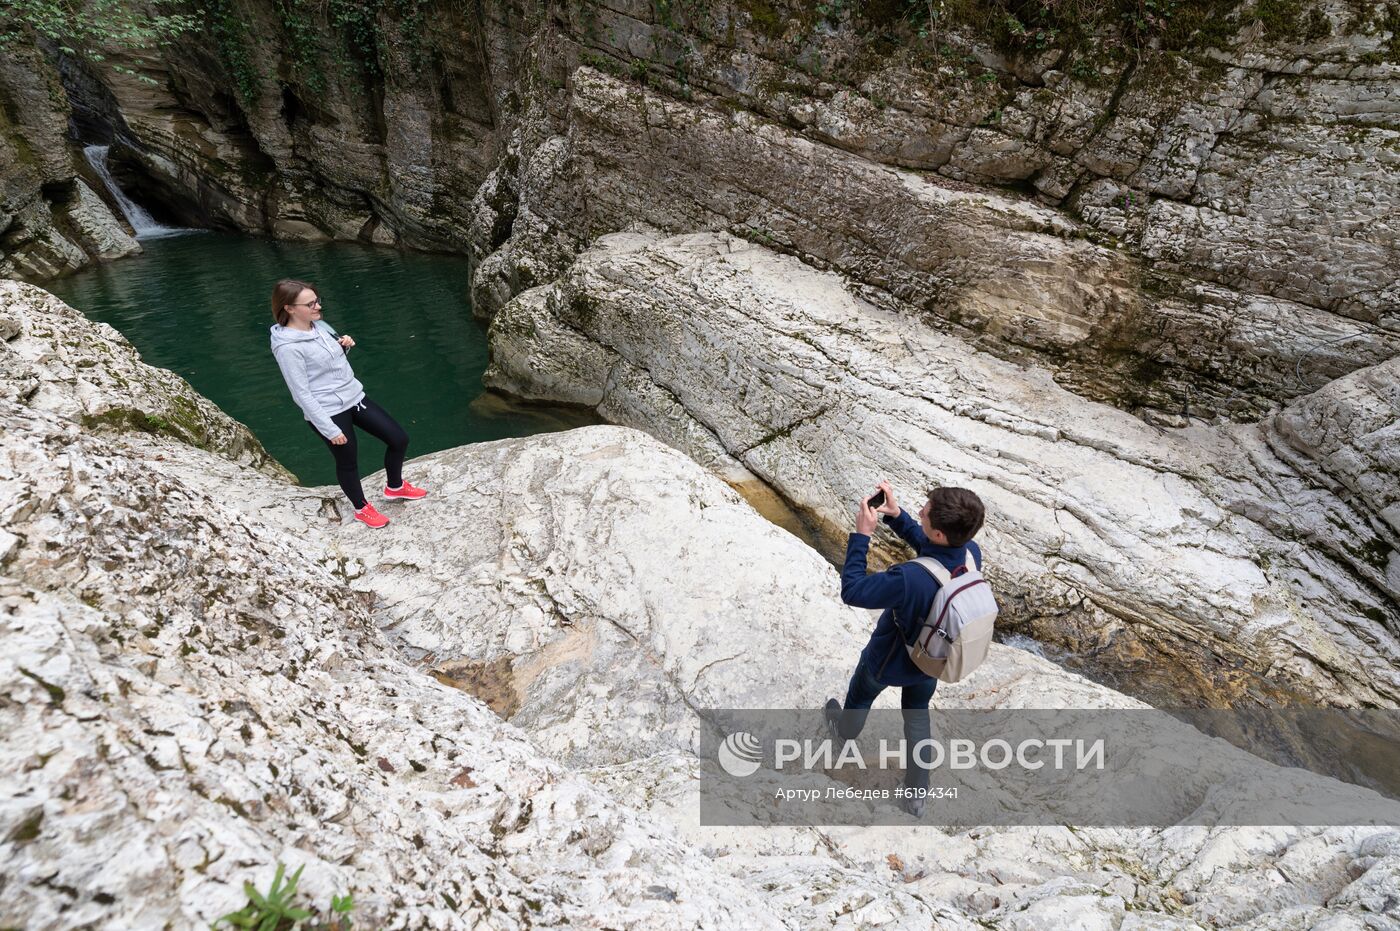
[{"x": 142, "y": 222}]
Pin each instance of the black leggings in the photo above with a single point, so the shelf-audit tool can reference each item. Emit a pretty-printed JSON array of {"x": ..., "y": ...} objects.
[{"x": 375, "y": 421}]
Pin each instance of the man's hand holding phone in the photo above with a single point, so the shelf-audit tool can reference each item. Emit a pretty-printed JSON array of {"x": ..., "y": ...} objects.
[
  {"x": 866, "y": 518},
  {"x": 882, "y": 502}
]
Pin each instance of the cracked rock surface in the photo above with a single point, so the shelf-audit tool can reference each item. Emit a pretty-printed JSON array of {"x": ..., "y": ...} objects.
[
  {"x": 1254, "y": 560},
  {"x": 54, "y": 359},
  {"x": 190, "y": 695},
  {"x": 191, "y": 692}
]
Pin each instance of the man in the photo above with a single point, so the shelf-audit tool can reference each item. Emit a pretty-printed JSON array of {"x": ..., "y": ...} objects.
[{"x": 948, "y": 521}]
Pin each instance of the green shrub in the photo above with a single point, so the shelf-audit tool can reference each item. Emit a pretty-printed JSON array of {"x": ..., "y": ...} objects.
[{"x": 84, "y": 29}]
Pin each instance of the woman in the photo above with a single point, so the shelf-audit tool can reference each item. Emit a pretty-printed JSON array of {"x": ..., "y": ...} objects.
[{"x": 312, "y": 359}]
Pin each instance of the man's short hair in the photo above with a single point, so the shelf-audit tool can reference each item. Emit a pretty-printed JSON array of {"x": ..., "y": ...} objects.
[{"x": 957, "y": 512}]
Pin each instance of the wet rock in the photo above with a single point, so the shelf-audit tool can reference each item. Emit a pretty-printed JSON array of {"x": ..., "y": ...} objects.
[
  {"x": 51, "y": 222},
  {"x": 97, "y": 230}
]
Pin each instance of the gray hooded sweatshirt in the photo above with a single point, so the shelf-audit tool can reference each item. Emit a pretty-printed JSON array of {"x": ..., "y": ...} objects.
[{"x": 317, "y": 374}]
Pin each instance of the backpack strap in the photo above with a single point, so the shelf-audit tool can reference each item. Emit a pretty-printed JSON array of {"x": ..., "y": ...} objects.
[
  {"x": 940, "y": 575},
  {"x": 935, "y": 568}
]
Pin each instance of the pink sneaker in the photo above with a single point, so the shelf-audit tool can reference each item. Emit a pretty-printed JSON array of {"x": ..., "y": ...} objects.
[
  {"x": 370, "y": 516},
  {"x": 406, "y": 491}
]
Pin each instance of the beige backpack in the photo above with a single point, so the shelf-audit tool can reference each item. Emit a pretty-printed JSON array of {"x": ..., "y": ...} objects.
[{"x": 953, "y": 639}]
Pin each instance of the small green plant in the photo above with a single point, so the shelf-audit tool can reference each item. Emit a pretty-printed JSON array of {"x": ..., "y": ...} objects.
[
  {"x": 275, "y": 910},
  {"x": 342, "y": 904}
]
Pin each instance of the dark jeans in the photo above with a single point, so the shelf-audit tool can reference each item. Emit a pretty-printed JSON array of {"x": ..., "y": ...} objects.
[
  {"x": 913, "y": 700},
  {"x": 375, "y": 421}
]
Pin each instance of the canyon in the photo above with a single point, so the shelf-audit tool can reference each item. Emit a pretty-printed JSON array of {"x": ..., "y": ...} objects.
[{"x": 1135, "y": 282}]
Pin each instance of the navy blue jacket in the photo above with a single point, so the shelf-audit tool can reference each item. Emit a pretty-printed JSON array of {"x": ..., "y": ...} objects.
[{"x": 905, "y": 591}]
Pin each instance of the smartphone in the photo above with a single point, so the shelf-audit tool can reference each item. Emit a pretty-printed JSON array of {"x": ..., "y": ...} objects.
[{"x": 876, "y": 499}]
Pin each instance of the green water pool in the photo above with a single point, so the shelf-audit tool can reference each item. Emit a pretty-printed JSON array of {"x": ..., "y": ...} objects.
[{"x": 197, "y": 304}]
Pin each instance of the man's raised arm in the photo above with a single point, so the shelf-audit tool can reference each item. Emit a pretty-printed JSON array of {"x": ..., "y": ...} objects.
[
  {"x": 898, "y": 520},
  {"x": 881, "y": 590}
]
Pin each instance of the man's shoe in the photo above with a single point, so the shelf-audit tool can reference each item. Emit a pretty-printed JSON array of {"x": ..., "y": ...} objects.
[
  {"x": 406, "y": 491},
  {"x": 833, "y": 719},
  {"x": 368, "y": 515},
  {"x": 913, "y": 806}
]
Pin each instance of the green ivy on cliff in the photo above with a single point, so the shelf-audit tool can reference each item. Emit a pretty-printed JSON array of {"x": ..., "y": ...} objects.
[
  {"x": 347, "y": 41},
  {"x": 301, "y": 40},
  {"x": 231, "y": 40},
  {"x": 364, "y": 30},
  {"x": 92, "y": 28}
]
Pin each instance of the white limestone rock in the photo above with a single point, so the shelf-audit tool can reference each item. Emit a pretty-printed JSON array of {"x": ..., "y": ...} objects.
[
  {"x": 192, "y": 696},
  {"x": 57, "y": 360},
  {"x": 1181, "y": 539},
  {"x": 195, "y": 692},
  {"x": 603, "y": 592}
]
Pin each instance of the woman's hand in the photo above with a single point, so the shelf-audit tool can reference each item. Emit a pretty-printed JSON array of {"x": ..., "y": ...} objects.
[
  {"x": 347, "y": 342},
  {"x": 338, "y": 440}
]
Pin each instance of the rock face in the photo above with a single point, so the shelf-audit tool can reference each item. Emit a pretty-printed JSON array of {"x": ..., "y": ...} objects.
[
  {"x": 51, "y": 222},
  {"x": 1028, "y": 282},
  {"x": 1201, "y": 222},
  {"x": 1252, "y": 560},
  {"x": 232, "y": 129},
  {"x": 1190, "y": 239},
  {"x": 193, "y": 693},
  {"x": 54, "y": 359}
]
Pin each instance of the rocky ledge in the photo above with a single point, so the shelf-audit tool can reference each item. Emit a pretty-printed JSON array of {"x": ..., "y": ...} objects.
[
  {"x": 57, "y": 361},
  {"x": 1240, "y": 561},
  {"x": 194, "y": 691}
]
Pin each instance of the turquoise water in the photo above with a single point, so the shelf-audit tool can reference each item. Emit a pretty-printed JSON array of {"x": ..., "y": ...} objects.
[{"x": 198, "y": 305}]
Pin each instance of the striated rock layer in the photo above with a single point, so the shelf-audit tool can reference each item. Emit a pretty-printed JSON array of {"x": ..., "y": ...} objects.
[
  {"x": 192, "y": 693},
  {"x": 1200, "y": 221},
  {"x": 1025, "y": 281},
  {"x": 1247, "y": 561},
  {"x": 51, "y": 221}
]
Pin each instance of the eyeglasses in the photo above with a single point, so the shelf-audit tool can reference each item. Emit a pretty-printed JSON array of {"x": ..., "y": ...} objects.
[{"x": 308, "y": 304}]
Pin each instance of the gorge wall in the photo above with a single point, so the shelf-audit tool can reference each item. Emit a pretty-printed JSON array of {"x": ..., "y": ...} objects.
[{"x": 1194, "y": 218}]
